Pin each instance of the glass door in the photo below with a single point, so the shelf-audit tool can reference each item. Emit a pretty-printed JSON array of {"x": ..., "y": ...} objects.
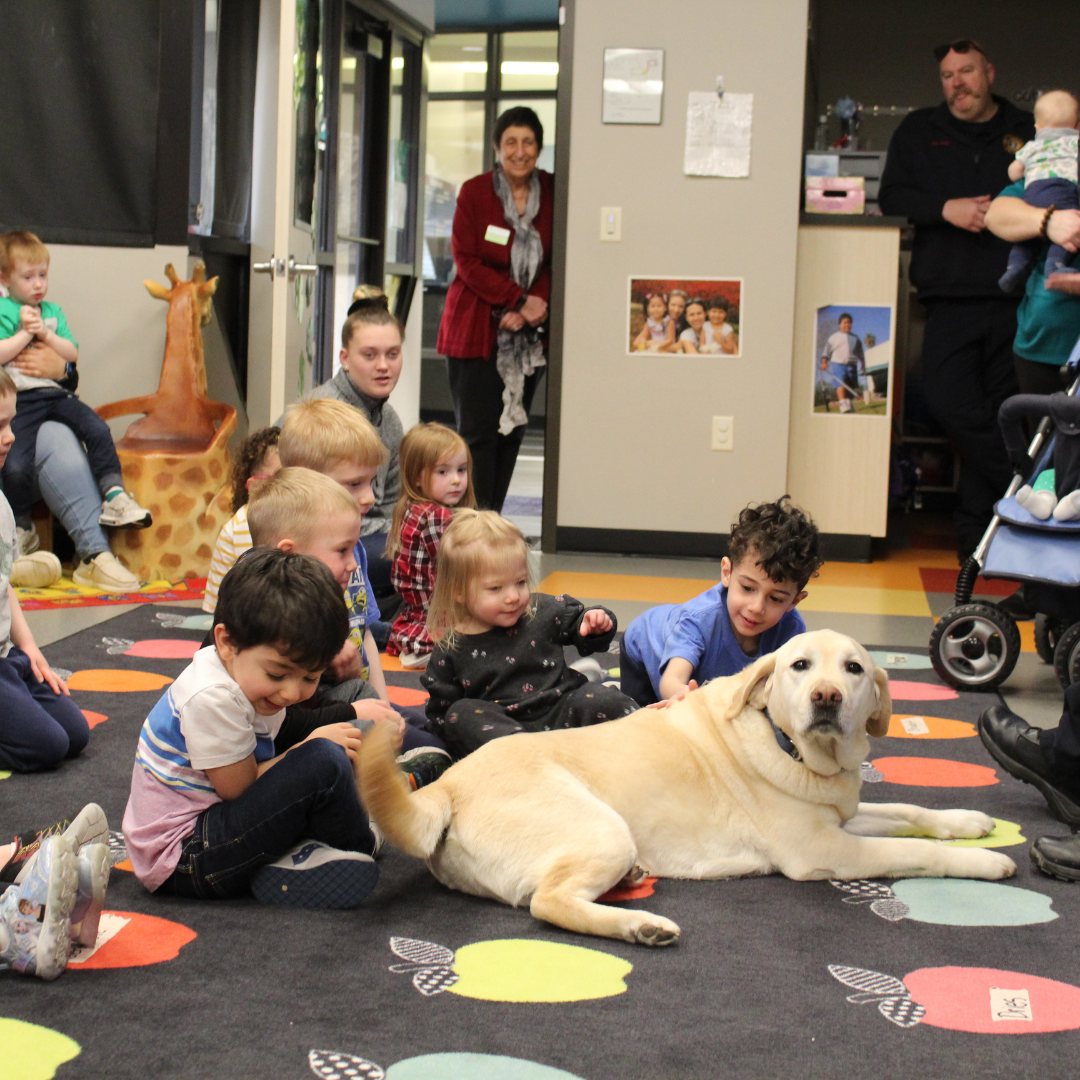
[{"x": 369, "y": 206}]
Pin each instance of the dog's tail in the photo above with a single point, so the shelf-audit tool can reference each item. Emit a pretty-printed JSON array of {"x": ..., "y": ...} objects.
[{"x": 412, "y": 821}]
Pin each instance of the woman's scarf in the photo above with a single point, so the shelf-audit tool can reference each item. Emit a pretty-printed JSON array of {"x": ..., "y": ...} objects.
[{"x": 520, "y": 352}]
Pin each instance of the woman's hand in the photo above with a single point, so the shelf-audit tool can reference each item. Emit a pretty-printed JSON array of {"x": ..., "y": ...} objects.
[
  {"x": 40, "y": 362},
  {"x": 534, "y": 310},
  {"x": 512, "y": 320}
]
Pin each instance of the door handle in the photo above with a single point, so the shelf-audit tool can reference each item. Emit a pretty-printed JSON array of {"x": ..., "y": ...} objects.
[
  {"x": 273, "y": 267},
  {"x": 300, "y": 268}
]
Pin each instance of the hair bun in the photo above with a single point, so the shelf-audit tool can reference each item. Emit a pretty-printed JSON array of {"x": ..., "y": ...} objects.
[{"x": 365, "y": 303}]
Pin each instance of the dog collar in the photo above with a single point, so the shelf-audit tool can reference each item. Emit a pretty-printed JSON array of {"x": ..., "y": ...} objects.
[{"x": 783, "y": 741}]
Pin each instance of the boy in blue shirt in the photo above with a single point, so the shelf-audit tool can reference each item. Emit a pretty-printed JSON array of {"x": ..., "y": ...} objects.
[{"x": 672, "y": 648}]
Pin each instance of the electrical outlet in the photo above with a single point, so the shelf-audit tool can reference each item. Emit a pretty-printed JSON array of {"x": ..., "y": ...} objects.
[
  {"x": 610, "y": 223},
  {"x": 723, "y": 432}
]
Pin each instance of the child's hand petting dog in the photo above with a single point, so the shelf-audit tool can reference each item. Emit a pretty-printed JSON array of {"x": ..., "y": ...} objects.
[
  {"x": 674, "y": 697},
  {"x": 344, "y": 734},
  {"x": 348, "y": 663},
  {"x": 595, "y": 621},
  {"x": 377, "y": 711}
]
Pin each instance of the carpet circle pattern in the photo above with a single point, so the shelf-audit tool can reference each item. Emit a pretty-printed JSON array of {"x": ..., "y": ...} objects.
[
  {"x": 32, "y": 1052},
  {"x": 904, "y": 726},
  {"x": 117, "y": 680},
  {"x": 934, "y": 772},
  {"x": 959, "y": 902}
]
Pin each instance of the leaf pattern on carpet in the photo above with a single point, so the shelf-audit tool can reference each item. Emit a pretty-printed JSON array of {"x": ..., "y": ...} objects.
[
  {"x": 333, "y": 1065},
  {"x": 893, "y": 999},
  {"x": 430, "y": 964},
  {"x": 880, "y": 897}
]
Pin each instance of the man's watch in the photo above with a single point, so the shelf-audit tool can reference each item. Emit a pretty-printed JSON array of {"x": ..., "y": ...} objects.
[{"x": 69, "y": 369}]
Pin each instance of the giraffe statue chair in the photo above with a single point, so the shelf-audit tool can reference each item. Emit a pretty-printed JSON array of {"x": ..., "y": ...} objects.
[{"x": 176, "y": 458}]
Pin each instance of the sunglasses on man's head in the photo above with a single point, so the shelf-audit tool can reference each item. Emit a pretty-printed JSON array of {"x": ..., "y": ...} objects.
[{"x": 963, "y": 45}]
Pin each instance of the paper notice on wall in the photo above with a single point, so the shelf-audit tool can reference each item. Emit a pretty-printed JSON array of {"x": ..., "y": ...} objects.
[
  {"x": 718, "y": 134},
  {"x": 633, "y": 86}
]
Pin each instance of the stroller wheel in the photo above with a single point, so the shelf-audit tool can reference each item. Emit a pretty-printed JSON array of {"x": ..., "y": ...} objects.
[
  {"x": 1047, "y": 632},
  {"x": 1067, "y": 656},
  {"x": 975, "y": 646}
]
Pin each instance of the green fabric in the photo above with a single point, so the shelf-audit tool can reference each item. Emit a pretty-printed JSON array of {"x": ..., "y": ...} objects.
[
  {"x": 9, "y": 318},
  {"x": 1047, "y": 323},
  {"x": 1044, "y": 481}
]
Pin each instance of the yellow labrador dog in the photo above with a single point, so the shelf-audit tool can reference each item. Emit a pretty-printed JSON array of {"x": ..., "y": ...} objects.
[{"x": 702, "y": 789}]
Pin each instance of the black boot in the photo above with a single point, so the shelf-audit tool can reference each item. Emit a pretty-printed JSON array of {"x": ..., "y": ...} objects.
[
  {"x": 1058, "y": 856},
  {"x": 1014, "y": 744}
]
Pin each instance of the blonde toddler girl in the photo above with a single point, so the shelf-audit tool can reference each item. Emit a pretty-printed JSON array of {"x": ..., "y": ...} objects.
[
  {"x": 498, "y": 666},
  {"x": 436, "y": 476}
]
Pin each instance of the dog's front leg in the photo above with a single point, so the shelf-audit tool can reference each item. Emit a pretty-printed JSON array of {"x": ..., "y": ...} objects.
[
  {"x": 903, "y": 819},
  {"x": 841, "y": 856}
]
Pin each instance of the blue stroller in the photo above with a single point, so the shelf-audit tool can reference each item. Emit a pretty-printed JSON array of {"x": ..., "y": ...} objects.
[{"x": 975, "y": 646}]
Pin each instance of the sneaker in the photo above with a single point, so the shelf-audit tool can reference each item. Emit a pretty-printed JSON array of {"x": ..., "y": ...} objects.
[
  {"x": 93, "y": 865},
  {"x": 105, "y": 571},
  {"x": 28, "y": 539},
  {"x": 35, "y": 917},
  {"x": 424, "y": 765},
  {"x": 123, "y": 512},
  {"x": 414, "y": 661},
  {"x": 36, "y": 571},
  {"x": 89, "y": 826},
  {"x": 314, "y": 875}
]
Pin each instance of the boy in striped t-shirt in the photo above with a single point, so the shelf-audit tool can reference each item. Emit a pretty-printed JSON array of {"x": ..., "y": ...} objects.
[{"x": 220, "y": 804}]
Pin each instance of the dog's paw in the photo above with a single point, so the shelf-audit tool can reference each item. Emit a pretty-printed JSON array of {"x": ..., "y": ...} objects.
[
  {"x": 636, "y": 875},
  {"x": 991, "y": 865},
  {"x": 655, "y": 930},
  {"x": 961, "y": 824}
]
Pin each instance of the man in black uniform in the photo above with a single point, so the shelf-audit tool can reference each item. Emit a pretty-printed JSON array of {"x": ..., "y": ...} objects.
[{"x": 944, "y": 166}]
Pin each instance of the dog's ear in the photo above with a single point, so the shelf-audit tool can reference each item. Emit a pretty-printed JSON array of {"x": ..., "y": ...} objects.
[
  {"x": 755, "y": 685},
  {"x": 878, "y": 723}
]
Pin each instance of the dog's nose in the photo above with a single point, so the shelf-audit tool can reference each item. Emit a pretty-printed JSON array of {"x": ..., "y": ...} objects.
[{"x": 826, "y": 695}]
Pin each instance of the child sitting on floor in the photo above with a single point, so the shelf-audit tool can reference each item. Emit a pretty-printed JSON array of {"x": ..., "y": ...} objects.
[
  {"x": 305, "y": 513},
  {"x": 257, "y": 461},
  {"x": 498, "y": 667},
  {"x": 436, "y": 476},
  {"x": 672, "y": 648},
  {"x": 216, "y": 808},
  {"x": 26, "y": 316},
  {"x": 40, "y": 726}
]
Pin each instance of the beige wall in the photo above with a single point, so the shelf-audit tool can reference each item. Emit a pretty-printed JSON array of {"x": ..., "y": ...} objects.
[
  {"x": 119, "y": 326},
  {"x": 635, "y": 441}
]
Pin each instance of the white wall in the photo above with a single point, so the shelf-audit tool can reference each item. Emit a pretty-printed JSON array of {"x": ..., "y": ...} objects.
[
  {"x": 119, "y": 326},
  {"x": 635, "y": 440}
]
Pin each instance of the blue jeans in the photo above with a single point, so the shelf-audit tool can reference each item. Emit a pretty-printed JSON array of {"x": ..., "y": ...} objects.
[
  {"x": 310, "y": 794},
  {"x": 64, "y": 480},
  {"x": 34, "y": 408},
  {"x": 38, "y": 728}
]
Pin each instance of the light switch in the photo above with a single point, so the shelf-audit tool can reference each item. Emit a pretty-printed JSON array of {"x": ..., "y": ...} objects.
[
  {"x": 610, "y": 222},
  {"x": 723, "y": 433}
]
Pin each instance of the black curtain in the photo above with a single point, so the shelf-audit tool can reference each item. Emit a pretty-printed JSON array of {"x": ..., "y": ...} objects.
[
  {"x": 79, "y": 87},
  {"x": 238, "y": 41}
]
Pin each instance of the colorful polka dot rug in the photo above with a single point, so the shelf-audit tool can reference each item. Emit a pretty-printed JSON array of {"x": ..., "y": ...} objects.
[{"x": 874, "y": 978}]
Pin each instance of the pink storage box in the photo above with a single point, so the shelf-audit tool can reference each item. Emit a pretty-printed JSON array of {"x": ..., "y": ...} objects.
[{"x": 835, "y": 194}]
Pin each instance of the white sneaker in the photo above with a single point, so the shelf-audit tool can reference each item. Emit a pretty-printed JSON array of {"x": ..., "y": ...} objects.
[
  {"x": 123, "y": 512},
  {"x": 28, "y": 539},
  {"x": 36, "y": 571},
  {"x": 313, "y": 874},
  {"x": 412, "y": 661},
  {"x": 1069, "y": 507},
  {"x": 105, "y": 571}
]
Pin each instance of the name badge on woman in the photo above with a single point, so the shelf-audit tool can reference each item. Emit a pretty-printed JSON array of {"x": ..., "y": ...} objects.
[{"x": 497, "y": 235}]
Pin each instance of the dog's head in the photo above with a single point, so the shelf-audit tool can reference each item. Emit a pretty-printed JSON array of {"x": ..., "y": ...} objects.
[{"x": 825, "y": 693}]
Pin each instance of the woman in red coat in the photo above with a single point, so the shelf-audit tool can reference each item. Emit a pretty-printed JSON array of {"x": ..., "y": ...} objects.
[{"x": 493, "y": 326}]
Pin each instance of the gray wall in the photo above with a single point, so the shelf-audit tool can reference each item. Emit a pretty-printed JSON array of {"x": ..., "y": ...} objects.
[
  {"x": 882, "y": 53},
  {"x": 635, "y": 431}
]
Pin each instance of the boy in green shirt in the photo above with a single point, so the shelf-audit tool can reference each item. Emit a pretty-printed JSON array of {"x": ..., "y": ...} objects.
[{"x": 26, "y": 316}]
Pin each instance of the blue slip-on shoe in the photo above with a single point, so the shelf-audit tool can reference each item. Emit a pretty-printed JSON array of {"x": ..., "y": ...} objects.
[{"x": 314, "y": 875}]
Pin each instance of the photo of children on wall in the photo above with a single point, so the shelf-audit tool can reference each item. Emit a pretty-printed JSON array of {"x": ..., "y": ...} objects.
[
  {"x": 852, "y": 360},
  {"x": 685, "y": 315}
]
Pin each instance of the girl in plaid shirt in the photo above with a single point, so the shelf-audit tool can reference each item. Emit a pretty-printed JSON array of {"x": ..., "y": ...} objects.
[{"x": 436, "y": 476}]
